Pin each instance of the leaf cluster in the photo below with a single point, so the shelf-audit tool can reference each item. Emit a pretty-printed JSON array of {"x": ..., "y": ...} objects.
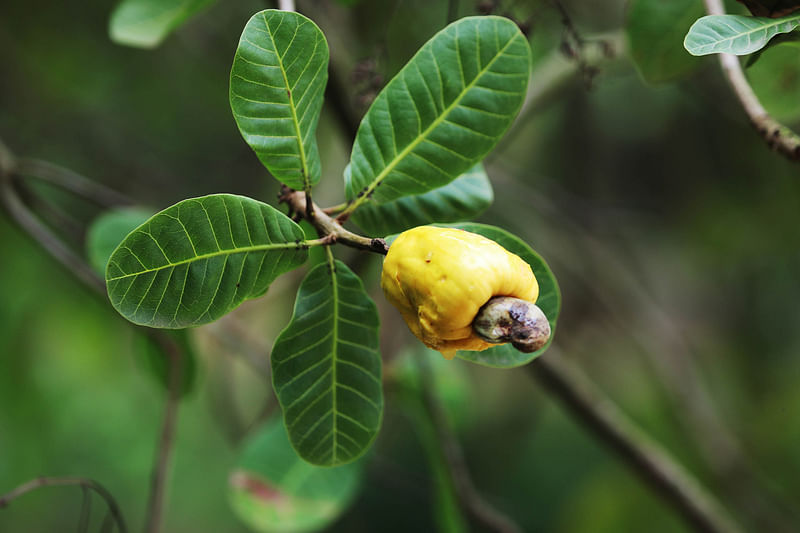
[{"x": 415, "y": 160}]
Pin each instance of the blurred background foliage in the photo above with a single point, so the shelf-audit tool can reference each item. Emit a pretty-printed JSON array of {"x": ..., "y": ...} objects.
[{"x": 672, "y": 228}]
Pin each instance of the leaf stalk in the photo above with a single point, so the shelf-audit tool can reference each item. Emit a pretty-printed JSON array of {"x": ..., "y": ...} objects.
[{"x": 329, "y": 229}]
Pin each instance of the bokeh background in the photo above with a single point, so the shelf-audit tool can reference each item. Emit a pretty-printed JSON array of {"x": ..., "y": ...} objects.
[{"x": 673, "y": 230}]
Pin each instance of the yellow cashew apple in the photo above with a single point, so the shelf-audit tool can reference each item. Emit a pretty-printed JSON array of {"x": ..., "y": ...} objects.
[{"x": 440, "y": 277}]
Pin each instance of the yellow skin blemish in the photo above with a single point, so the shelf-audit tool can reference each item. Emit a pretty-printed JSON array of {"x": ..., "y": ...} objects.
[{"x": 440, "y": 277}]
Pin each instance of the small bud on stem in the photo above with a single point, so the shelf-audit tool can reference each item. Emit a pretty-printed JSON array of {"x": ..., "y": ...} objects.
[{"x": 505, "y": 319}]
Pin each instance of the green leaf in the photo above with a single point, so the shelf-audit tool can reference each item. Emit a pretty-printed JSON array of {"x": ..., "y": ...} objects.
[
  {"x": 789, "y": 39},
  {"x": 104, "y": 235},
  {"x": 277, "y": 83},
  {"x": 735, "y": 34},
  {"x": 443, "y": 112},
  {"x": 199, "y": 259},
  {"x": 505, "y": 355},
  {"x": 775, "y": 79},
  {"x": 326, "y": 368},
  {"x": 146, "y": 23},
  {"x": 273, "y": 490},
  {"x": 108, "y": 230},
  {"x": 461, "y": 199},
  {"x": 655, "y": 31}
]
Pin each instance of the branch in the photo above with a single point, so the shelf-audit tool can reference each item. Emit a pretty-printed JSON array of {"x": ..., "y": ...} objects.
[
  {"x": 553, "y": 75},
  {"x": 328, "y": 227},
  {"x": 286, "y": 5},
  {"x": 39, "y": 231},
  {"x": 11, "y": 167},
  {"x": 469, "y": 497},
  {"x": 160, "y": 471},
  {"x": 71, "y": 181},
  {"x": 452, "y": 10},
  {"x": 777, "y": 136},
  {"x": 742, "y": 486},
  {"x": 337, "y": 98},
  {"x": 648, "y": 460},
  {"x": 66, "y": 481}
]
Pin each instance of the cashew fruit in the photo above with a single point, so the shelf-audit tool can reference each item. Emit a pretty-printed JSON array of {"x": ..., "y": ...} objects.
[{"x": 439, "y": 278}]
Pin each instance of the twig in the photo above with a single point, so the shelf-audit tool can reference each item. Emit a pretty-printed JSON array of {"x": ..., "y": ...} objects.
[
  {"x": 43, "y": 235},
  {"x": 158, "y": 478},
  {"x": 86, "y": 510},
  {"x": 286, "y": 5},
  {"x": 50, "y": 213},
  {"x": 452, "y": 10},
  {"x": 337, "y": 97},
  {"x": 334, "y": 209},
  {"x": 737, "y": 480},
  {"x": 9, "y": 168},
  {"x": 648, "y": 460},
  {"x": 39, "y": 482},
  {"x": 552, "y": 75},
  {"x": 777, "y": 136},
  {"x": 469, "y": 497},
  {"x": 71, "y": 181},
  {"x": 566, "y": 21},
  {"x": 330, "y": 228}
]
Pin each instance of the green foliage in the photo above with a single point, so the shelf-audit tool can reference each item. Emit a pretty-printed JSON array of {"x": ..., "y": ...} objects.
[
  {"x": 104, "y": 235},
  {"x": 775, "y": 78},
  {"x": 735, "y": 34},
  {"x": 443, "y": 112},
  {"x": 327, "y": 370},
  {"x": 108, "y": 230},
  {"x": 790, "y": 39},
  {"x": 655, "y": 31},
  {"x": 277, "y": 83},
  {"x": 273, "y": 490},
  {"x": 199, "y": 259},
  {"x": 146, "y": 23},
  {"x": 422, "y": 139},
  {"x": 505, "y": 356},
  {"x": 463, "y": 198}
]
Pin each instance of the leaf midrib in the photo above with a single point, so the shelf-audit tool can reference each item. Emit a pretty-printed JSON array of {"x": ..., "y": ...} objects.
[
  {"x": 334, "y": 349},
  {"x": 290, "y": 95},
  {"x": 229, "y": 251},
  {"x": 421, "y": 137}
]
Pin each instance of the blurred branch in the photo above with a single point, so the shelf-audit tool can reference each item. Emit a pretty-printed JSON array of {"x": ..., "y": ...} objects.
[
  {"x": 86, "y": 510},
  {"x": 50, "y": 213},
  {"x": 71, "y": 181},
  {"x": 652, "y": 463},
  {"x": 86, "y": 484},
  {"x": 160, "y": 471},
  {"x": 9, "y": 169},
  {"x": 237, "y": 339},
  {"x": 36, "y": 229},
  {"x": 336, "y": 96},
  {"x": 555, "y": 72},
  {"x": 664, "y": 343},
  {"x": 469, "y": 497},
  {"x": 777, "y": 136},
  {"x": 452, "y": 10},
  {"x": 286, "y": 5}
]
